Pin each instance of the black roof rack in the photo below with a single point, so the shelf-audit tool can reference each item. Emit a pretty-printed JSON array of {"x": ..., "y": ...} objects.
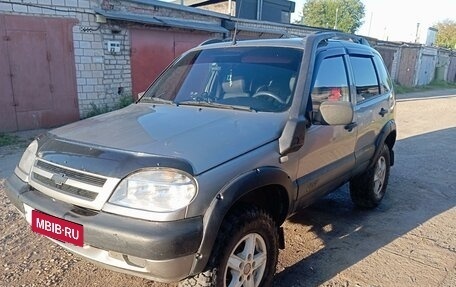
[
  {"x": 325, "y": 35},
  {"x": 212, "y": 41}
]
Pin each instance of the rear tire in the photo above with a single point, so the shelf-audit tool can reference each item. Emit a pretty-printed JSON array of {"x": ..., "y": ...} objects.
[
  {"x": 245, "y": 252},
  {"x": 368, "y": 189}
]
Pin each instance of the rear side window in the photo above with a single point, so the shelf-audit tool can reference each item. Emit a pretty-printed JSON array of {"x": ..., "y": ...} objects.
[
  {"x": 366, "y": 82},
  {"x": 385, "y": 80}
]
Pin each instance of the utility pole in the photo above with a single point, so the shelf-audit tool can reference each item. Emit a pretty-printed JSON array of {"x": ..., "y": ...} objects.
[
  {"x": 417, "y": 34},
  {"x": 337, "y": 14},
  {"x": 370, "y": 24}
]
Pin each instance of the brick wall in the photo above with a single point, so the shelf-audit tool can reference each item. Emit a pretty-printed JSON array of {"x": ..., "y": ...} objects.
[
  {"x": 222, "y": 7},
  {"x": 103, "y": 77},
  {"x": 133, "y": 7}
]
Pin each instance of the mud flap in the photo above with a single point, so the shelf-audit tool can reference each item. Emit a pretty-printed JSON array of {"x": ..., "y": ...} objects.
[{"x": 281, "y": 238}]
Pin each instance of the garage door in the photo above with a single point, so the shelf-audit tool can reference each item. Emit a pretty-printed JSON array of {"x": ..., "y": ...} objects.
[
  {"x": 154, "y": 50},
  {"x": 37, "y": 73},
  {"x": 426, "y": 70}
]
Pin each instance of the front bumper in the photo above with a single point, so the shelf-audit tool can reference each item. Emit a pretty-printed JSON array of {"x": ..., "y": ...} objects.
[{"x": 160, "y": 251}]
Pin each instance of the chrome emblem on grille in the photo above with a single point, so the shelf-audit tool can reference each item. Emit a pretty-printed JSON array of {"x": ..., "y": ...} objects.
[{"x": 59, "y": 178}]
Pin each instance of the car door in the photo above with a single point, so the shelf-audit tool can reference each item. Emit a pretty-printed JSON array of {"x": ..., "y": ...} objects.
[
  {"x": 374, "y": 102},
  {"x": 328, "y": 152}
]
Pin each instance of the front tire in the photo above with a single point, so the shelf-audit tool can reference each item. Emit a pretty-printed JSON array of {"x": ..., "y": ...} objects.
[
  {"x": 245, "y": 252},
  {"x": 368, "y": 189}
]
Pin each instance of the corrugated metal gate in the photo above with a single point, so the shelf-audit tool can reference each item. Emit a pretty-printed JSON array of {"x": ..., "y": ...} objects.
[
  {"x": 37, "y": 73},
  {"x": 153, "y": 50},
  {"x": 426, "y": 69}
]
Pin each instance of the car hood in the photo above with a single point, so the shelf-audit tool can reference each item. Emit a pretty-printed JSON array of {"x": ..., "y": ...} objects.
[{"x": 205, "y": 137}]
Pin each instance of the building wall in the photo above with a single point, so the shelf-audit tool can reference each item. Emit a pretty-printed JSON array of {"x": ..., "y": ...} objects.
[
  {"x": 103, "y": 77},
  {"x": 222, "y": 7},
  {"x": 98, "y": 73},
  {"x": 160, "y": 9}
]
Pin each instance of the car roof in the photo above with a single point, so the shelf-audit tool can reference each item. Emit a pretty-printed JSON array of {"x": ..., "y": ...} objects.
[
  {"x": 287, "y": 42},
  {"x": 280, "y": 42}
]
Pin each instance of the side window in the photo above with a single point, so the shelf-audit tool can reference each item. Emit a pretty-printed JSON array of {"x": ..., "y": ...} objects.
[
  {"x": 385, "y": 80},
  {"x": 331, "y": 82},
  {"x": 365, "y": 78}
]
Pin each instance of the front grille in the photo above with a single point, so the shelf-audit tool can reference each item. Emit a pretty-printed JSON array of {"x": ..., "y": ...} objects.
[
  {"x": 68, "y": 189},
  {"x": 69, "y": 182},
  {"x": 82, "y": 177}
]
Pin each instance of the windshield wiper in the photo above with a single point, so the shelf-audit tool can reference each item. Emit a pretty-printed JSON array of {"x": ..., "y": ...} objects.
[
  {"x": 157, "y": 100},
  {"x": 215, "y": 105}
]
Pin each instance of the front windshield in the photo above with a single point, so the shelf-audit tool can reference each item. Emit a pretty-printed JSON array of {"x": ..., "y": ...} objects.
[{"x": 255, "y": 78}]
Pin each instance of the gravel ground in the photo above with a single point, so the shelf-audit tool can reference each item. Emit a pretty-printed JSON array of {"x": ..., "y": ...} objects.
[{"x": 410, "y": 240}]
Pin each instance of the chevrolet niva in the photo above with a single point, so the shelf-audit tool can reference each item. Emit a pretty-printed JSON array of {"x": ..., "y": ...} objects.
[{"x": 193, "y": 182}]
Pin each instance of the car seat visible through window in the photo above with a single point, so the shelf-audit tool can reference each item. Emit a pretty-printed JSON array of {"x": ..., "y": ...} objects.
[{"x": 234, "y": 88}]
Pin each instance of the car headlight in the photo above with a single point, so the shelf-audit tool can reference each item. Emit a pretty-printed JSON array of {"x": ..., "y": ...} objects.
[
  {"x": 157, "y": 190},
  {"x": 28, "y": 158}
]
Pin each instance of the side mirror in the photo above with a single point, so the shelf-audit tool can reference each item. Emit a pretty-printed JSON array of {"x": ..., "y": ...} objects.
[
  {"x": 139, "y": 95},
  {"x": 337, "y": 113}
]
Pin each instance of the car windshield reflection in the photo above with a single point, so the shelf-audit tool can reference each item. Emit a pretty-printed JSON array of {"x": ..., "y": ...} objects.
[{"x": 248, "y": 78}]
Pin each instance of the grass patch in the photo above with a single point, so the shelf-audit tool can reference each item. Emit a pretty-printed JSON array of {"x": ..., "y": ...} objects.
[
  {"x": 434, "y": 85},
  {"x": 399, "y": 89},
  {"x": 442, "y": 85},
  {"x": 124, "y": 101},
  {"x": 98, "y": 110},
  {"x": 8, "y": 139}
]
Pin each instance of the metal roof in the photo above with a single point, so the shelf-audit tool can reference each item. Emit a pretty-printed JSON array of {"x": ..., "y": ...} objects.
[
  {"x": 241, "y": 27},
  {"x": 179, "y": 7},
  {"x": 162, "y": 21}
]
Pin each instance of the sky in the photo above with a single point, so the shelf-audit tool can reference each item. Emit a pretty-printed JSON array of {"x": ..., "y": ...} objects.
[{"x": 396, "y": 20}]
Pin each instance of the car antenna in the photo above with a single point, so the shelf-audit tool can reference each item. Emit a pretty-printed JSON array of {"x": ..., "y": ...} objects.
[
  {"x": 235, "y": 32},
  {"x": 236, "y": 22}
]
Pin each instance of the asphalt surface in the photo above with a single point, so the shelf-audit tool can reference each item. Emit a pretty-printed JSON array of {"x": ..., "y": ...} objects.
[{"x": 410, "y": 240}]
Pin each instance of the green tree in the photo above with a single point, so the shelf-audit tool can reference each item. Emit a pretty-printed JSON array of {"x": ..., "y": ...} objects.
[
  {"x": 446, "y": 34},
  {"x": 344, "y": 15}
]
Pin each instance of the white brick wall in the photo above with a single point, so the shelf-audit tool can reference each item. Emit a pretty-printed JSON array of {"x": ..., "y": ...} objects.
[
  {"x": 58, "y": 2},
  {"x": 19, "y": 8},
  {"x": 6, "y": 6},
  {"x": 84, "y": 3}
]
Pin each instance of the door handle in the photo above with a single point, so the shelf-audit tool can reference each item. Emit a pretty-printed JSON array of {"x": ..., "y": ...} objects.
[
  {"x": 383, "y": 112},
  {"x": 351, "y": 126}
]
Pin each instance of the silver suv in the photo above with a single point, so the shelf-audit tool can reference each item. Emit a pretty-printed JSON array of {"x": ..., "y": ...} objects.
[{"x": 193, "y": 182}]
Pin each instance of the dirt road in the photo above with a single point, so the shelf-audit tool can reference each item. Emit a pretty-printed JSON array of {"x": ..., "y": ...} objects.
[{"x": 410, "y": 240}]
